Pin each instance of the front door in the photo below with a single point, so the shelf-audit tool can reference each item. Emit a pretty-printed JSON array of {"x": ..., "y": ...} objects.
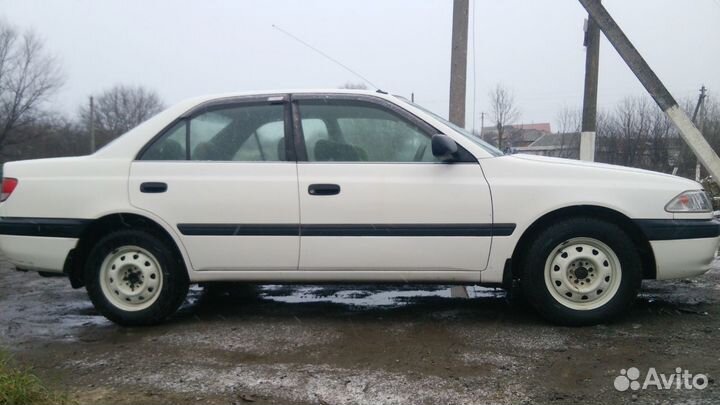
[
  {"x": 225, "y": 179},
  {"x": 373, "y": 196}
]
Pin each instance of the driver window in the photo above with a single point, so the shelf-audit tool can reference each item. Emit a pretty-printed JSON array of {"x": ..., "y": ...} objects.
[{"x": 351, "y": 131}]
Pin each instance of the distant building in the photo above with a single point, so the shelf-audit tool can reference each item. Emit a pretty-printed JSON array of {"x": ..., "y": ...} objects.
[
  {"x": 517, "y": 135},
  {"x": 555, "y": 145},
  {"x": 662, "y": 155}
]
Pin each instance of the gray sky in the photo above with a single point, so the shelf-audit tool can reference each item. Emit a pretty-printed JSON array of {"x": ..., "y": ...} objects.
[{"x": 188, "y": 48}]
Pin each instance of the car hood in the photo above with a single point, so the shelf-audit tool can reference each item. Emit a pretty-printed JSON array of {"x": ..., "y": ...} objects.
[
  {"x": 554, "y": 183},
  {"x": 604, "y": 169}
]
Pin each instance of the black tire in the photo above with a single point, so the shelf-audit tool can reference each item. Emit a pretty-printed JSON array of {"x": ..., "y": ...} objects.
[
  {"x": 171, "y": 294},
  {"x": 538, "y": 293}
]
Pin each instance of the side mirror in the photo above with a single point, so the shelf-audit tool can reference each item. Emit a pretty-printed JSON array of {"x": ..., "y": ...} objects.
[{"x": 444, "y": 148}]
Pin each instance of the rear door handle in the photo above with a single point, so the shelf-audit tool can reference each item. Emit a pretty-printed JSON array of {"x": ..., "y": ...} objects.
[
  {"x": 324, "y": 189},
  {"x": 153, "y": 187}
]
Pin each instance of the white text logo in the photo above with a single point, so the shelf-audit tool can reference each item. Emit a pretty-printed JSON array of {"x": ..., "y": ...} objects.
[{"x": 679, "y": 380}]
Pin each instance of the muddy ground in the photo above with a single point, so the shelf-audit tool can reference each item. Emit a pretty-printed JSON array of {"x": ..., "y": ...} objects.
[{"x": 359, "y": 345}]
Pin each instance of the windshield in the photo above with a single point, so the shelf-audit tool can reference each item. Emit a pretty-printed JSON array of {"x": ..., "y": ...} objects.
[{"x": 462, "y": 131}]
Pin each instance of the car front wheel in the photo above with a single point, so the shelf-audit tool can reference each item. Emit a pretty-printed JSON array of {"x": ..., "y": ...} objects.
[
  {"x": 132, "y": 278},
  {"x": 581, "y": 271}
]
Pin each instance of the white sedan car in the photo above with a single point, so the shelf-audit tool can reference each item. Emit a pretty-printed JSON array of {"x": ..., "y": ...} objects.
[{"x": 344, "y": 186}]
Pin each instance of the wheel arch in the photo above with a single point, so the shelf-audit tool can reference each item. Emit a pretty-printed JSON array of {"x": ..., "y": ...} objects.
[
  {"x": 647, "y": 256},
  {"x": 75, "y": 262}
]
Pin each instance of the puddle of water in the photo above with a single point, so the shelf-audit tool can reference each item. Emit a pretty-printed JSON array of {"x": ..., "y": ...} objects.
[{"x": 365, "y": 297}]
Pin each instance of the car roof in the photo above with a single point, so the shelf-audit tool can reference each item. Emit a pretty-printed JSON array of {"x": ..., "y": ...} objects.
[{"x": 291, "y": 91}]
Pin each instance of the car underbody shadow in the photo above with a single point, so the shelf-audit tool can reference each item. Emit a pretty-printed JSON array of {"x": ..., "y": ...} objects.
[{"x": 354, "y": 301}]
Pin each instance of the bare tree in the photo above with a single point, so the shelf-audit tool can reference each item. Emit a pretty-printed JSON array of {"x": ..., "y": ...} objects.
[
  {"x": 637, "y": 134},
  {"x": 120, "y": 109},
  {"x": 711, "y": 122},
  {"x": 354, "y": 86},
  {"x": 28, "y": 77},
  {"x": 662, "y": 136},
  {"x": 569, "y": 124},
  {"x": 51, "y": 136},
  {"x": 569, "y": 120},
  {"x": 504, "y": 111}
]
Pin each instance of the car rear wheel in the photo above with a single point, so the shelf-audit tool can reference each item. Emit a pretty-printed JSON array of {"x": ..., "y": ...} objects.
[
  {"x": 581, "y": 271},
  {"x": 133, "y": 278}
]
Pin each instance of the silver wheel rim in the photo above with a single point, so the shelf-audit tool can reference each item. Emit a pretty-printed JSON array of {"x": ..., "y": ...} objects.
[
  {"x": 131, "y": 278},
  {"x": 583, "y": 273}
]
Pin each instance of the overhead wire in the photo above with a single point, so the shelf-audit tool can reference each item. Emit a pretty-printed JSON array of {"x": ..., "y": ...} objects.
[{"x": 330, "y": 58}]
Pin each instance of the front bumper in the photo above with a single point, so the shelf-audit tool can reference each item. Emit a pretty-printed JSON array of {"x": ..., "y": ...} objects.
[
  {"x": 682, "y": 247},
  {"x": 682, "y": 258}
]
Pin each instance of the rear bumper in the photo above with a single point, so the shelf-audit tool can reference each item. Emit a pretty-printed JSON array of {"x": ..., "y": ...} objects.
[
  {"x": 38, "y": 253},
  {"x": 682, "y": 248},
  {"x": 40, "y": 244}
]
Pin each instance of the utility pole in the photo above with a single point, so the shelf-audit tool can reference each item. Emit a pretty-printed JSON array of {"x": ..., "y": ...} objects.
[
  {"x": 458, "y": 83},
  {"x": 589, "y": 114},
  {"x": 698, "y": 106},
  {"x": 458, "y": 62},
  {"x": 655, "y": 87},
  {"x": 482, "y": 124},
  {"x": 92, "y": 125}
]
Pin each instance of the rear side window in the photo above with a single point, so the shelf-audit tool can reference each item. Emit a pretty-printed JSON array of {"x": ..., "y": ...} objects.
[
  {"x": 171, "y": 145},
  {"x": 235, "y": 133}
]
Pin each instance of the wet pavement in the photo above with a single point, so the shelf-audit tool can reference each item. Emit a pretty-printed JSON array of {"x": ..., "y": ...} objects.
[{"x": 360, "y": 344}]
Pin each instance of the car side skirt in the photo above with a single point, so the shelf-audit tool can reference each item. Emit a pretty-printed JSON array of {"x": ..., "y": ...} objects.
[{"x": 340, "y": 276}]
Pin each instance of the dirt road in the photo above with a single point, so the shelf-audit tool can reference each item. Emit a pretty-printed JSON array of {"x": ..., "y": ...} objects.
[{"x": 360, "y": 345}]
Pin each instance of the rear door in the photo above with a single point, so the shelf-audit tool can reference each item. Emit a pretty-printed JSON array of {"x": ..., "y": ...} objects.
[
  {"x": 226, "y": 179},
  {"x": 373, "y": 196}
]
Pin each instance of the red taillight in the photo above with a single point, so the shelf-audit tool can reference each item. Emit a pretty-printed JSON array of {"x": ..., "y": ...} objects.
[{"x": 8, "y": 186}]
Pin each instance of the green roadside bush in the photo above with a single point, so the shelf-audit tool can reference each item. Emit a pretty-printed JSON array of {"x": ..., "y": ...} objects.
[{"x": 21, "y": 387}]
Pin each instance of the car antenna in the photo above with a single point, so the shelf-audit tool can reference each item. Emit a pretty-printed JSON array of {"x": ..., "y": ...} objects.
[{"x": 337, "y": 62}]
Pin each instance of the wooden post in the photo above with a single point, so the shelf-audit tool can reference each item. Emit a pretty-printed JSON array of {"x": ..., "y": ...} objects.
[
  {"x": 589, "y": 114},
  {"x": 458, "y": 62}
]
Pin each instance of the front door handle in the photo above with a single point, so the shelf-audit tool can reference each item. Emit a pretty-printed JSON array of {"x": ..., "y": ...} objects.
[
  {"x": 324, "y": 189},
  {"x": 153, "y": 187}
]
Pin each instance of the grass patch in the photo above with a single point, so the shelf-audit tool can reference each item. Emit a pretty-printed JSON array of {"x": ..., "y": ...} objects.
[{"x": 21, "y": 387}]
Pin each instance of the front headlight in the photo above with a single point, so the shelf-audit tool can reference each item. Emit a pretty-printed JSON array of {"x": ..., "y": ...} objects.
[{"x": 690, "y": 201}]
